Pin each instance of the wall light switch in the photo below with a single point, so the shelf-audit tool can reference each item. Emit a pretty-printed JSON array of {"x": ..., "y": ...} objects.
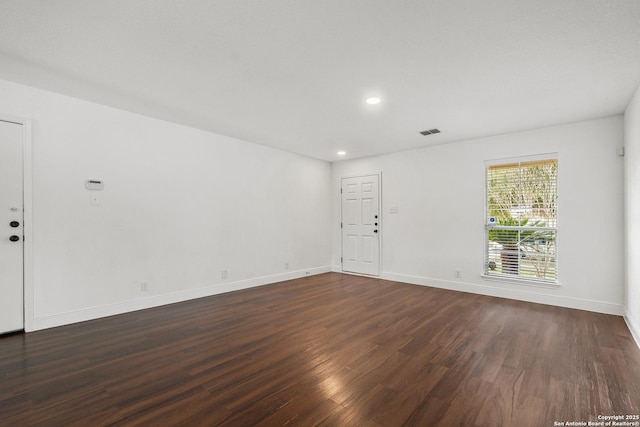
[{"x": 393, "y": 210}]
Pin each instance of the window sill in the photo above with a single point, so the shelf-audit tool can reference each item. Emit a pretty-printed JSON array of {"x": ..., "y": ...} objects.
[{"x": 522, "y": 281}]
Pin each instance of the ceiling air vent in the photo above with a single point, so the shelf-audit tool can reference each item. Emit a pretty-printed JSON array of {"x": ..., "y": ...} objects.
[{"x": 429, "y": 132}]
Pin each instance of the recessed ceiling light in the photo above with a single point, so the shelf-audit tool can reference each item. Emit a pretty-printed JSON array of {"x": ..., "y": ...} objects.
[
  {"x": 373, "y": 100},
  {"x": 341, "y": 153}
]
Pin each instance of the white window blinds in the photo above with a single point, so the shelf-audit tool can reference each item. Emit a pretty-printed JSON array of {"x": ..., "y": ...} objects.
[{"x": 521, "y": 199}]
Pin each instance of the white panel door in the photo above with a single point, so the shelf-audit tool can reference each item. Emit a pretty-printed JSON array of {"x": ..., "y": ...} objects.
[
  {"x": 361, "y": 225},
  {"x": 11, "y": 234}
]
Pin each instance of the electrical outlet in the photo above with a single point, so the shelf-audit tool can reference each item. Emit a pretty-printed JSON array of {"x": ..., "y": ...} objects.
[
  {"x": 144, "y": 286},
  {"x": 224, "y": 274},
  {"x": 458, "y": 274},
  {"x": 286, "y": 265}
]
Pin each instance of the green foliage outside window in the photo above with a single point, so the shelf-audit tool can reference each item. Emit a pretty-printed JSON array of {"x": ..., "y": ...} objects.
[{"x": 522, "y": 198}]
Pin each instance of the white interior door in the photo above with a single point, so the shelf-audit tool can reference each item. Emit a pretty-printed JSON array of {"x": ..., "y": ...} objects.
[
  {"x": 361, "y": 225},
  {"x": 11, "y": 228}
]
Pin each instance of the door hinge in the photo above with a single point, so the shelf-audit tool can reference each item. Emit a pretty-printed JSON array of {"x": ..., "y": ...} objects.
[
  {"x": 340, "y": 190},
  {"x": 341, "y": 260},
  {"x": 340, "y": 225}
]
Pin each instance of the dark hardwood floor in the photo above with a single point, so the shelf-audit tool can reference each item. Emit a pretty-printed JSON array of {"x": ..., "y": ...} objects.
[{"x": 333, "y": 350}]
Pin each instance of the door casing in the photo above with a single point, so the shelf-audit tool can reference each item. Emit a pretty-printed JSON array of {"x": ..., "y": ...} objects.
[{"x": 27, "y": 202}]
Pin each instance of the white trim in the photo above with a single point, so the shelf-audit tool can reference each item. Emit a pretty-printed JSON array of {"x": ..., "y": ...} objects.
[
  {"x": 27, "y": 216},
  {"x": 361, "y": 175},
  {"x": 634, "y": 328},
  {"x": 170, "y": 298},
  {"x": 510, "y": 293},
  {"x": 521, "y": 280},
  {"x": 27, "y": 187},
  {"x": 522, "y": 159}
]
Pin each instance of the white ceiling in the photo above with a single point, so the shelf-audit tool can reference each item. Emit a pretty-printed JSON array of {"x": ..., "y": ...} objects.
[{"x": 294, "y": 74}]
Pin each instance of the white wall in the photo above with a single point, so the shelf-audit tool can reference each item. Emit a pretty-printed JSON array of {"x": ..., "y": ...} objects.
[
  {"x": 439, "y": 227},
  {"x": 632, "y": 214},
  {"x": 179, "y": 206}
]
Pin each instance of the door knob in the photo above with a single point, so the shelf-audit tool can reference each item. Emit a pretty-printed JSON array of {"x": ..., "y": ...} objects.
[
  {"x": 14, "y": 238},
  {"x": 375, "y": 231},
  {"x": 14, "y": 224}
]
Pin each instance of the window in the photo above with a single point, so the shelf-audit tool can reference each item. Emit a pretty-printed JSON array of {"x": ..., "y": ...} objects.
[{"x": 521, "y": 232}]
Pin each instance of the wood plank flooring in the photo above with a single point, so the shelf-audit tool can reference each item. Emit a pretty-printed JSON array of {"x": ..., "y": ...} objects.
[{"x": 330, "y": 350}]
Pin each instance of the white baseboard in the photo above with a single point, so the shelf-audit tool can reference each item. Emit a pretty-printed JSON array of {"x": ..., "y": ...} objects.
[
  {"x": 634, "y": 328},
  {"x": 170, "y": 298},
  {"x": 174, "y": 297},
  {"x": 516, "y": 294}
]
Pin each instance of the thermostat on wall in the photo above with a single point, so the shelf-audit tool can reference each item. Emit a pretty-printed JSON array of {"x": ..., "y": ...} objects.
[{"x": 94, "y": 184}]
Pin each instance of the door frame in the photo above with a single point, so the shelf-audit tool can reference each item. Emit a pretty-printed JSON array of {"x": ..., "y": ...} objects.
[
  {"x": 380, "y": 227},
  {"x": 27, "y": 203}
]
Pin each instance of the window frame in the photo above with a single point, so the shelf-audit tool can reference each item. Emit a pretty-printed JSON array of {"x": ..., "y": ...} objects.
[{"x": 517, "y": 278}]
